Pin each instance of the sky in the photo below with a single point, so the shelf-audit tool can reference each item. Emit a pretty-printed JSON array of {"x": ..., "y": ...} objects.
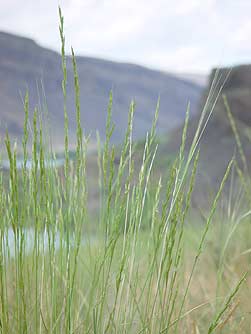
[{"x": 179, "y": 36}]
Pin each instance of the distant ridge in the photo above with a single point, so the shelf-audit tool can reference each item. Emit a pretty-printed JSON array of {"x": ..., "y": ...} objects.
[{"x": 25, "y": 65}]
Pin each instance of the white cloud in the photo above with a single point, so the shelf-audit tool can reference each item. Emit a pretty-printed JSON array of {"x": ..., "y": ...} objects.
[
  {"x": 185, "y": 7},
  {"x": 241, "y": 37}
]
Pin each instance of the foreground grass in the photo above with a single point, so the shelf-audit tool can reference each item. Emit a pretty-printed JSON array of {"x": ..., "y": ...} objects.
[
  {"x": 140, "y": 265},
  {"x": 112, "y": 293}
]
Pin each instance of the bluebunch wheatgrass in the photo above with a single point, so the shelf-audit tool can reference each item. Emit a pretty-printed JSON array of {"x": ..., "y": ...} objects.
[{"x": 129, "y": 274}]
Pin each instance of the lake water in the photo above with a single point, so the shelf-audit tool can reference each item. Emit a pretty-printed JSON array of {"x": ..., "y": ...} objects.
[
  {"x": 5, "y": 164},
  {"x": 8, "y": 240}
]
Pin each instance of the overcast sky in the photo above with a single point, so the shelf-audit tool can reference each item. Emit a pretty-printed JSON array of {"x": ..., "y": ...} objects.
[{"x": 181, "y": 35}]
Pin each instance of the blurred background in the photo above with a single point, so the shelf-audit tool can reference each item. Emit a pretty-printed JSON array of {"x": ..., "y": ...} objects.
[{"x": 140, "y": 51}]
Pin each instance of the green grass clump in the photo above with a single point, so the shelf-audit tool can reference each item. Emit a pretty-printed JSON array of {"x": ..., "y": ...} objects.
[{"x": 137, "y": 266}]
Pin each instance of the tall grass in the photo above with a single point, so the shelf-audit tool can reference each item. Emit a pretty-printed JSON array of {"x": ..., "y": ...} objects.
[{"x": 131, "y": 273}]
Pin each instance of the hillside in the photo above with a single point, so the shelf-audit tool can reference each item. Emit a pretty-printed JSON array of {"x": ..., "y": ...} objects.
[
  {"x": 26, "y": 65},
  {"x": 218, "y": 144}
]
